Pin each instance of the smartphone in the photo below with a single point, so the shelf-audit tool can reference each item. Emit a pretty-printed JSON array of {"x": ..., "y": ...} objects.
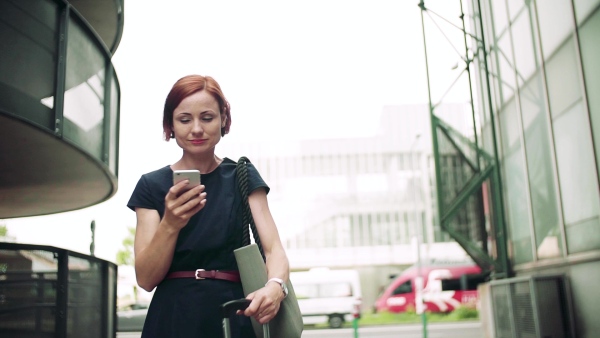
[{"x": 192, "y": 175}]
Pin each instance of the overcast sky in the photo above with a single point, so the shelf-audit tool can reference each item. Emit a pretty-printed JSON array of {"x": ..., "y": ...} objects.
[{"x": 292, "y": 70}]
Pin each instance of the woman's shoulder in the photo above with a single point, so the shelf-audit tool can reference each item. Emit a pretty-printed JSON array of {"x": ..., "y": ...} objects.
[
  {"x": 229, "y": 165},
  {"x": 254, "y": 178},
  {"x": 159, "y": 174},
  {"x": 227, "y": 162}
]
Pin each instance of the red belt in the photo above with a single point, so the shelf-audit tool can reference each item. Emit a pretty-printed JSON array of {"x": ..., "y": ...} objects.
[{"x": 232, "y": 276}]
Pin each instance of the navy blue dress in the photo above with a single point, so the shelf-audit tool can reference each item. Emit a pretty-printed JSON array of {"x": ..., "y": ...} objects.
[{"x": 186, "y": 307}]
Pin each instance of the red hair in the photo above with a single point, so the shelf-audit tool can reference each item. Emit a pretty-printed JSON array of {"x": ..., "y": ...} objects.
[{"x": 187, "y": 86}]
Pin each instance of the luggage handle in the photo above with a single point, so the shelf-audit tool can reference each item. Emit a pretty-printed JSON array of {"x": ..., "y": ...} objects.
[{"x": 231, "y": 308}]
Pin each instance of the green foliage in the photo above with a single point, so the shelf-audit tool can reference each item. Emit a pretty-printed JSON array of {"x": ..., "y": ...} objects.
[
  {"x": 370, "y": 318},
  {"x": 3, "y": 230},
  {"x": 382, "y": 318},
  {"x": 125, "y": 255},
  {"x": 464, "y": 312}
]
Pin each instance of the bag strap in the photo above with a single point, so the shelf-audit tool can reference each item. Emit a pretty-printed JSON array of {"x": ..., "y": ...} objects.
[{"x": 242, "y": 183}]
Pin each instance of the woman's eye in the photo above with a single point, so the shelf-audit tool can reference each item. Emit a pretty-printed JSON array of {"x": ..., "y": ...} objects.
[
  {"x": 207, "y": 118},
  {"x": 184, "y": 120}
]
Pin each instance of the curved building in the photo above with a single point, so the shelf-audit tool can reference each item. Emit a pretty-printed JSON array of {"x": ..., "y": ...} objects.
[
  {"x": 59, "y": 105},
  {"x": 59, "y": 140}
]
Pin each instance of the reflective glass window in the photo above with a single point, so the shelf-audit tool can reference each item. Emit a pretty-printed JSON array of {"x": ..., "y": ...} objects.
[
  {"x": 84, "y": 94},
  {"x": 526, "y": 54},
  {"x": 481, "y": 103},
  {"x": 540, "y": 166},
  {"x": 516, "y": 8},
  {"x": 563, "y": 78},
  {"x": 515, "y": 186},
  {"x": 582, "y": 236},
  {"x": 28, "y": 36},
  {"x": 403, "y": 288},
  {"x": 487, "y": 138},
  {"x": 487, "y": 21},
  {"x": 583, "y": 8},
  {"x": 555, "y": 19},
  {"x": 501, "y": 60},
  {"x": 589, "y": 41},
  {"x": 344, "y": 230},
  {"x": 498, "y": 8},
  {"x": 576, "y": 166},
  {"x": 506, "y": 71}
]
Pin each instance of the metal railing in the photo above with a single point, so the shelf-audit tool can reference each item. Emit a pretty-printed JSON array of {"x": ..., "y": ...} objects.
[{"x": 51, "y": 292}]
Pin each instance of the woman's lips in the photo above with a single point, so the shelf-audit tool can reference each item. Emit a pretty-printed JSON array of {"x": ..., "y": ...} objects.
[{"x": 199, "y": 141}]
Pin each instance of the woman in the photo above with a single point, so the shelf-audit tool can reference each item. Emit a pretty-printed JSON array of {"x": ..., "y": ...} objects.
[{"x": 179, "y": 232}]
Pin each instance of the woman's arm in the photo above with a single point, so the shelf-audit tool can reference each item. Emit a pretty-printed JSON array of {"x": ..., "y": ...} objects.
[
  {"x": 155, "y": 239},
  {"x": 154, "y": 246},
  {"x": 269, "y": 297}
]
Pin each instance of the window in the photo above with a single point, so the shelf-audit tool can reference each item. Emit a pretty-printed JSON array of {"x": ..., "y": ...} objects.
[
  {"x": 556, "y": 23},
  {"x": 578, "y": 180},
  {"x": 515, "y": 183},
  {"x": 403, "y": 288},
  {"x": 324, "y": 290},
  {"x": 84, "y": 95},
  {"x": 590, "y": 49}
]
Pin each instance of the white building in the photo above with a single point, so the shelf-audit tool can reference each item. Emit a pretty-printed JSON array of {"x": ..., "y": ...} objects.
[{"x": 358, "y": 202}]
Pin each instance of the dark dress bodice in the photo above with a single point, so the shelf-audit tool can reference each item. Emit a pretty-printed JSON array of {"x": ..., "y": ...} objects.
[{"x": 185, "y": 307}]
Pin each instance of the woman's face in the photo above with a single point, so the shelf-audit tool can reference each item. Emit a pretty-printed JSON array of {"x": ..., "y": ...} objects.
[{"x": 197, "y": 123}]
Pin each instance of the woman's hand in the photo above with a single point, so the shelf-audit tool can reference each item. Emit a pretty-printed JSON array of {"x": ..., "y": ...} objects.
[
  {"x": 180, "y": 207},
  {"x": 155, "y": 238},
  {"x": 265, "y": 303}
]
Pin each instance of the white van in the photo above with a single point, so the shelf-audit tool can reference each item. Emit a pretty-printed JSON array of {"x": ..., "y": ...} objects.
[{"x": 327, "y": 296}]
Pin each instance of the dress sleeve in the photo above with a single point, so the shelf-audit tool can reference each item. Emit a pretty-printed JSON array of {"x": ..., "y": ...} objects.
[
  {"x": 141, "y": 196},
  {"x": 255, "y": 180}
]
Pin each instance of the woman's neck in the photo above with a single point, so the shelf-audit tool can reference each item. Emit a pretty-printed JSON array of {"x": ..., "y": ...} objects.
[{"x": 205, "y": 165}]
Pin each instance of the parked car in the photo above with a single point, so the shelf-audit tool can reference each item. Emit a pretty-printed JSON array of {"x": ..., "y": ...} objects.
[{"x": 131, "y": 317}]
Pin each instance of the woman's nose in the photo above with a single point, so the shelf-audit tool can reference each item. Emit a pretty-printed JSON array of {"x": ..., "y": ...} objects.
[{"x": 197, "y": 127}]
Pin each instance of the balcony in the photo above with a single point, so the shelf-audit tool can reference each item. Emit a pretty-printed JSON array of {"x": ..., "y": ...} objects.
[
  {"x": 51, "y": 292},
  {"x": 59, "y": 105}
]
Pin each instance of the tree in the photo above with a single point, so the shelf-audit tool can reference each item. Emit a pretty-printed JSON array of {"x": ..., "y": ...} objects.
[{"x": 125, "y": 255}]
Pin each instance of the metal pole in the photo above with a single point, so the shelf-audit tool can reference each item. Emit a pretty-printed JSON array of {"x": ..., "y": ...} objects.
[
  {"x": 356, "y": 315},
  {"x": 420, "y": 306},
  {"x": 93, "y": 243},
  {"x": 502, "y": 262}
]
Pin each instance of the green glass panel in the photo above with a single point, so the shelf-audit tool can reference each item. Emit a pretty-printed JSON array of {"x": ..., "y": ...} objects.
[
  {"x": 590, "y": 49},
  {"x": 84, "y": 95},
  {"x": 556, "y": 23},
  {"x": 540, "y": 165},
  {"x": 576, "y": 167},
  {"x": 515, "y": 187},
  {"x": 563, "y": 77},
  {"x": 580, "y": 236},
  {"x": 583, "y": 8}
]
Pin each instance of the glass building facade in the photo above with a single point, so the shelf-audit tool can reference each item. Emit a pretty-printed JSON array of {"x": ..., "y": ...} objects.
[
  {"x": 532, "y": 71},
  {"x": 59, "y": 120},
  {"x": 542, "y": 57}
]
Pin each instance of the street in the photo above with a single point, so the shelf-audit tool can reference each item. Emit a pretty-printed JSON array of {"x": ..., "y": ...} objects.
[{"x": 435, "y": 330}]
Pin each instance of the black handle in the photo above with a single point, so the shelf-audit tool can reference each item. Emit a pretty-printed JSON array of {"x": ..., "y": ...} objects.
[{"x": 231, "y": 307}]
